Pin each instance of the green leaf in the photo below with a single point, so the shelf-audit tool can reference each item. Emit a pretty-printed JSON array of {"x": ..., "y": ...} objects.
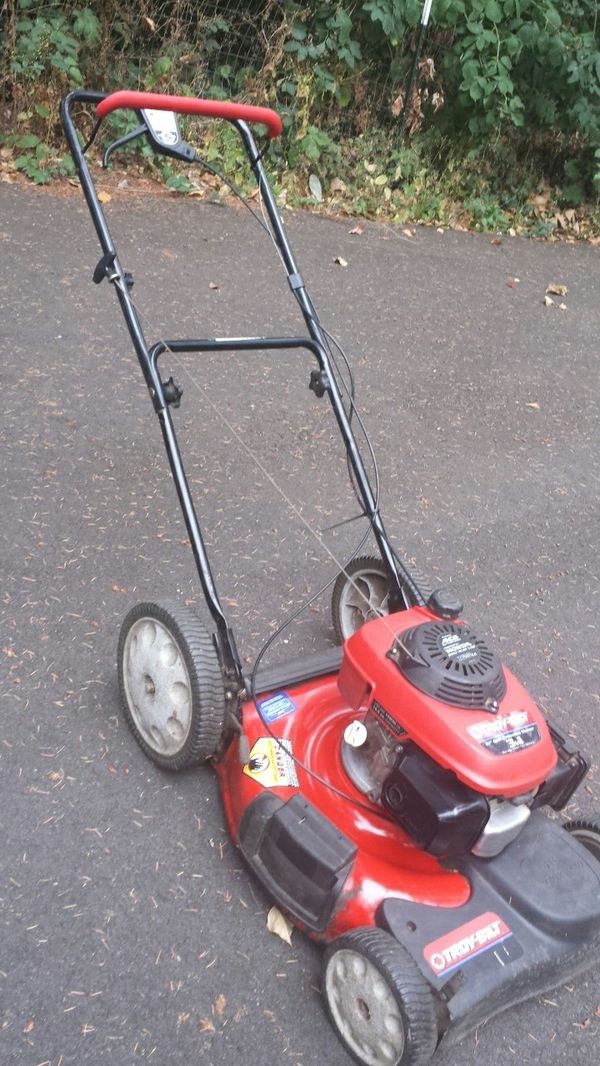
[
  {"x": 493, "y": 11},
  {"x": 343, "y": 94},
  {"x": 29, "y": 140}
]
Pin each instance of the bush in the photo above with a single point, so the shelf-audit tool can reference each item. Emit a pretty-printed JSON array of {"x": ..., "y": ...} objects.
[{"x": 498, "y": 79}]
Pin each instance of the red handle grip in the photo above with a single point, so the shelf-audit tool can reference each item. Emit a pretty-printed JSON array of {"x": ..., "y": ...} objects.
[{"x": 189, "y": 105}]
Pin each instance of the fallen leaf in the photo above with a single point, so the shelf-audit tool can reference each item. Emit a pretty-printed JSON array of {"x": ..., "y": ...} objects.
[
  {"x": 357, "y": 231},
  {"x": 439, "y": 229},
  {"x": 512, "y": 232},
  {"x": 496, "y": 240},
  {"x": 563, "y": 307},
  {"x": 219, "y": 1004},
  {"x": 278, "y": 924},
  {"x": 29, "y": 1024},
  {"x": 339, "y": 259},
  {"x": 104, "y": 197},
  {"x": 407, "y": 232},
  {"x": 510, "y": 282},
  {"x": 548, "y": 301},
  {"x": 212, "y": 285},
  {"x": 206, "y": 1026},
  {"x": 556, "y": 290},
  {"x": 533, "y": 404},
  {"x": 337, "y": 185},
  {"x": 117, "y": 588},
  {"x": 150, "y": 23},
  {"x": 316, "y": 189}
]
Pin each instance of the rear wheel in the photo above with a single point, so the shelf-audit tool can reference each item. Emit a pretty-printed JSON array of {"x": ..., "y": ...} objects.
[
  {"x": 361, "y": 592},
  {"x": 587, "y": 832},
  {"x": 378, "y": 1001},
  {"x": 171, "y": 684}
]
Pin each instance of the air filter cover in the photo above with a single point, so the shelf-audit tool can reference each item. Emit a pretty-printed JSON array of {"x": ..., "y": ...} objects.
[{"x": 452, "y": 664}]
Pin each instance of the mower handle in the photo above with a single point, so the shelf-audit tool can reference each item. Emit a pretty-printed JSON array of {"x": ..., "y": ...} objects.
[{"x": 189, "y": 105}]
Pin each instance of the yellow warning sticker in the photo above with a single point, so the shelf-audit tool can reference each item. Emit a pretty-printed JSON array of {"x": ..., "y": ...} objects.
[{"x": 271, "y": 763}]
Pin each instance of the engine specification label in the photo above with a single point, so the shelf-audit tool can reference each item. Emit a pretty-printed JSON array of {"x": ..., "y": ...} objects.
[
  {"x": 388, "y": 719},
  {"x": 460, "y": 945},
  {"x": 506, "y": 733},
  {"x": 459, "y": 647}
]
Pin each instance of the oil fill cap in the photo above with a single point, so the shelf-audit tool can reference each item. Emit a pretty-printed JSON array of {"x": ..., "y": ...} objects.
[{"x": 355, "y": 734}]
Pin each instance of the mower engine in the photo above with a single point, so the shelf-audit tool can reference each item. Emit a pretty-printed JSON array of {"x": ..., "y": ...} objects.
[{"x": 446, "y": 739}]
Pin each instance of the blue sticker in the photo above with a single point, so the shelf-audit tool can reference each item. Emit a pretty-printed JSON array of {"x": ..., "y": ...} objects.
[{"x": 276, "y": 706}]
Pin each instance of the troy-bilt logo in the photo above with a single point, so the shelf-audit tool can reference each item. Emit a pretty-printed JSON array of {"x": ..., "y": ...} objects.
[
  {"x": 457, "y": 947},
  {"x": 494, "y": 727}
]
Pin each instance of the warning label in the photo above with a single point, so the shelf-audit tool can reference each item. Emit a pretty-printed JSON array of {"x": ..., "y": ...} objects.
[
  {"x": 462, "y": 944},
  {"x": 271, "y": 764}
]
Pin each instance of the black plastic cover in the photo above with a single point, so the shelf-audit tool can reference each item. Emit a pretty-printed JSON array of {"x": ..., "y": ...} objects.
[
  {"x": 439, "y": 812},
  {"x": 300, "y": 857},
  {"x": 566, "y": 776},
  {"x": 532, "y": 922}
]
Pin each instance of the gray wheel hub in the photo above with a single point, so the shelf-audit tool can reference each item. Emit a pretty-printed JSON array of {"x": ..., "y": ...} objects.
[
  {"x": 364, "y": 598},
  {"x": 364, "y": 1009},
  {"x": 157, "y": 686}
]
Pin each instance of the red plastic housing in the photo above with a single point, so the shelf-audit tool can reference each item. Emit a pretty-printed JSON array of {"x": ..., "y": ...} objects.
[
  {"x": 457, "y": 739},
  {"x": 387, "y": 864},
  {"x": 186, "y": 105}
]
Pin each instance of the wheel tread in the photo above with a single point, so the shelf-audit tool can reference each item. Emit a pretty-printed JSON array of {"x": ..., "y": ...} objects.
[
  {"x": 206, "y": 681},
  {"x": 399, "y": 968}
]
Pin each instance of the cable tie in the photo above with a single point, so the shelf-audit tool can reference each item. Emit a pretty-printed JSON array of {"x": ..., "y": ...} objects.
[{"x": 296, "y": 281}]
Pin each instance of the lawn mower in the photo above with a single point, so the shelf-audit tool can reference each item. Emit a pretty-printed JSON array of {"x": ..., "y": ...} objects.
[{"x": 389, "y": 794}]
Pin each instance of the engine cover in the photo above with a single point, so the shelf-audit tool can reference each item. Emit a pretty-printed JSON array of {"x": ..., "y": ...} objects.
[
  {"x": 450, "y": 663},
  {"x": 438, "y": 684}
]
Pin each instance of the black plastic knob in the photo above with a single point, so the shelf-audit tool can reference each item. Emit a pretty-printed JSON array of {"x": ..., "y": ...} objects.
[{"x": 444, "y": 604}]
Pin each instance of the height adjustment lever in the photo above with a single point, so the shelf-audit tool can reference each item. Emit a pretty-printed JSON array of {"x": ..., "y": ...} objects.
[
  {"x": 319, "y": 382},
  {"x": 173, "y": 392}
]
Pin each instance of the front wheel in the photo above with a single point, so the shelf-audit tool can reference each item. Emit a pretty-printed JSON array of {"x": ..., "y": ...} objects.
[
  {"x": 587, "y": 832},
  {"x": 378, "y": 1001},
  {"x": 171, "y": 684}
]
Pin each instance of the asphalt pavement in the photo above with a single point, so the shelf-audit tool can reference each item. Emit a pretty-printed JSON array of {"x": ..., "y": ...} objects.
[{"x": 131, "y": 929}]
